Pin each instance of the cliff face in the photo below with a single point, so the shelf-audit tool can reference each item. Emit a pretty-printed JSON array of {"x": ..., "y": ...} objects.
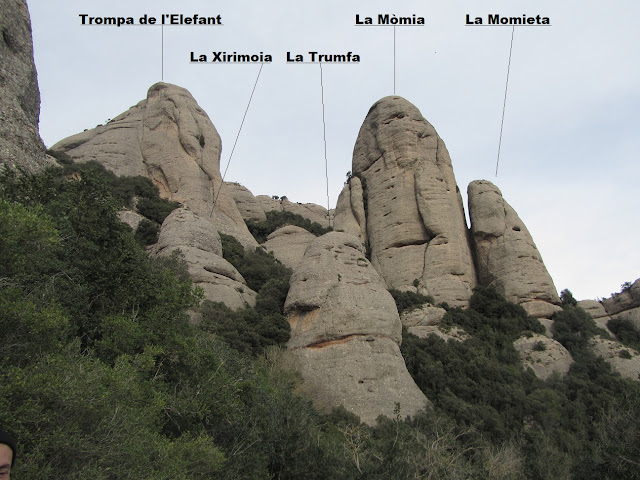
[
  {"x": 407, "y": 206},
  {"x": 20, "y": 142},
  {"x": 171, "y": 140},
  {"x": 506, "y": 256},
  {"x": 345, "y": 332}
]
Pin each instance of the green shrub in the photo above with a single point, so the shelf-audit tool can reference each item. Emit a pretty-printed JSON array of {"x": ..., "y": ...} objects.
[
  {"x": 625, "y": 354},
  {"x": 147, "y": 232},
  {"x": 567, "y": 298},
  {"x": 539, "y": 346},
  {"x": 573, "y": 327},
  {"x": 156, "y": 208},
  {"x": 275, "y": 220},
  {"x": 409, "y": 300},
  {"x": 246, "y": 330},
  {"x": 625, "y": 331},
  {"x": 257, "y": 267}
]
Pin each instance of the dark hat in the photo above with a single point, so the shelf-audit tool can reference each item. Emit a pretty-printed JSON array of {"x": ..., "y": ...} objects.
[{"x": 10, "y": 442}]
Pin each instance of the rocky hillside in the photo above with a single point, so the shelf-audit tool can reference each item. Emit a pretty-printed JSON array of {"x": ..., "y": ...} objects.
[
  {"x": 20, "y": 143},
  {"x": 215, "y": 320},
  {"x": 404, "y": 221}
]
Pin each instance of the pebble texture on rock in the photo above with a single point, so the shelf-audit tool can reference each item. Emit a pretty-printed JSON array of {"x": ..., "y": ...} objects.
[
  {"x": 543, "y": 355},
  {"x": 626, "y": 300},
  {"x": 250, "y": 208},
  {"x": 350, "y": 216},
  {"x": 506, "y": 256},
  {"x": 345, "y": 332},
  {"x": 288, "y": 244},
  {"x": 200, "y": 244},
  {"x": 20, "y": 142},
  {"x": 171, "y": 140},
  {"x": 415, "y": 223},
  {"x": 611, "y": 350},
  {"x": 597, "y": 311}
]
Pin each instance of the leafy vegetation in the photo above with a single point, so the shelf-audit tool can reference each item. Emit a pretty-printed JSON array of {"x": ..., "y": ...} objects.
[
  {"x": 275, "y": 220},
  {"x": 625, "y": 331},
  {"x": 257, "y": 267},
  {"x": 104, "y": 376},
  {"x": 409, "y": 300},
  {"x": 480, "y": 383}
]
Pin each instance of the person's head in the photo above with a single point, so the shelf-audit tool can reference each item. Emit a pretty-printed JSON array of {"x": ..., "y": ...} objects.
[{"x": 7, "y": 455}]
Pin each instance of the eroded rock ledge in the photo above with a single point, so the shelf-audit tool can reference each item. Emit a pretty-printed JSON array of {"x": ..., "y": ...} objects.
[{"x": 345, "y": 332}]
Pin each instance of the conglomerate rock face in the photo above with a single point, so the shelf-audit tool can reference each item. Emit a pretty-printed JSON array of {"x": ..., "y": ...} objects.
[
  {"x": 543, "y": 355},
  {"x": 288, "y": 244},
  {"x": 506, "y": 256},
  {"x": 345, "y": 332},
  {"x": 415, "y": 225},
  {"x": 20, "y": 142},
  {"x": 628, "y": 299},
  {"x": 200, "y": 244},
  {"x": 171, "y": 140}
]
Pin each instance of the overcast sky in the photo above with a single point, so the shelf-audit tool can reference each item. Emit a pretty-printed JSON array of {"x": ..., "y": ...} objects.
[{"x": 569, "y": 160}]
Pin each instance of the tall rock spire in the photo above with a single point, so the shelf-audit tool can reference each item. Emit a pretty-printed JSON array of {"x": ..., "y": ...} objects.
[
  {"x": 171, "y": 140},
  {"x": 506, "y": 256},
  {"x": 20, "y": 142},
  {"x": 345, "y": 332},
  {"x": 415, "y": 224}
]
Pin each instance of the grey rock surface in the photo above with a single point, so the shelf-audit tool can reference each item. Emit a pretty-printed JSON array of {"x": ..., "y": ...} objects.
[
  {"x": 250, "y": 208},
  {"x": 597, "y": 311},
  {"x": 200, "y": 244},
  {"x": 345, "y": 332},
  {"x": 540, "y": 308},
  {"x": 415, "y": 223},
  {"x": 593, "y": 308},
  {"x": 171, "y": 140},
  {"x": 452, "y": 333},
  {"x": 20, "y": 142},
  {"x": 288, "y": 244},
  {"x": 422, "y": 316},
  {"x": 622, "y": 301},
  {"x": 310, "y": 211},
  {"x": 543, "y": 355},
  {"x": 350, "y": 216},
  {"x": 611, "y": 350},
  {"x": 506, "y": 256},
  {"x": 131, "y": 218},
  {"x": 633, "y": 315}
]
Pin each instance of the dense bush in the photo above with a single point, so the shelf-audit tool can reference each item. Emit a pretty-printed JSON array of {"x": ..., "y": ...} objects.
[
  {"x": 275, "y": 220},
  {"x": 573, "y": 327},
  {"x": 147, "y": 232},
  {"x": 251, "y": 330},
  {"x": 102, "y": 375},
  {"x": 409, "y": 300},
  {"x": 625, "y": 331},
  {"x": 257, "y": 267},
  {"x": 480, "y": 383}
]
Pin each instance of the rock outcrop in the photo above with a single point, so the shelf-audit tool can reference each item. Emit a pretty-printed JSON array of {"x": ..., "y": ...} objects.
[
  {"x": 345, "y": 332},
  {"x": 506, "y": 256},
  {"x": 20, "y": 142},
  {"x": 415, "y": 224},
  {"x": 597, "y": 311},
  {"x": 251, "y": 207},
  {"x": 171, "y": 140},
  {"x": 288, "y": 244},
  {"x": 543, "y": 355},
  {"x": 628, "y": 299},
  {"x": 624, "y": 360},
  {"x": 350, "y": 214},
  {"x": 623, "y": 305},
  {"x": 200, "y": 244}
]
